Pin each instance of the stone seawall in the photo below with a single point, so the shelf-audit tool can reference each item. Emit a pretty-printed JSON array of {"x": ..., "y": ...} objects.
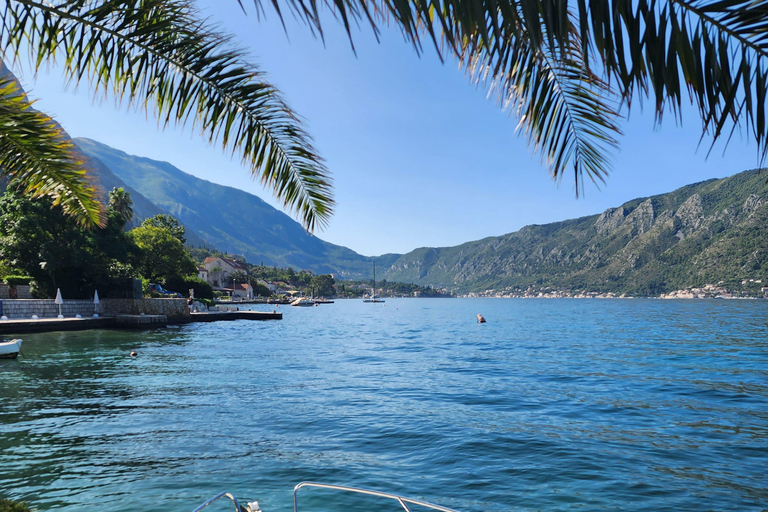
[{"x": 175, "y": 309}]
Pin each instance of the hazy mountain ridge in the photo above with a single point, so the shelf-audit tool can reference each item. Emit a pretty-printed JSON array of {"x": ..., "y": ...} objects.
[
  {"x": 230, "y": 219},
  {"x": 698, "y": 234}
]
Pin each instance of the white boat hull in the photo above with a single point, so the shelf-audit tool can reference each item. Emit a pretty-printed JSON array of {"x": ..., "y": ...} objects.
[{"x": 10, "y": 349}]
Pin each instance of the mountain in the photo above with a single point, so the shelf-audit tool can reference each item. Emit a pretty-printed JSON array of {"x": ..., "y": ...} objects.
[
  {"x": 230, "y": 219},
  {"x": 700, "y": 234}
]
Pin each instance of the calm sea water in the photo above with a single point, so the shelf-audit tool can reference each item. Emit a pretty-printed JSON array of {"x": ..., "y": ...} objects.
[{"x": 552, "y": 405}]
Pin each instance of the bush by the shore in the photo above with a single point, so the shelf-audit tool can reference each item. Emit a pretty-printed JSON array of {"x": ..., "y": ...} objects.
[{"x": 13, "y": 506}]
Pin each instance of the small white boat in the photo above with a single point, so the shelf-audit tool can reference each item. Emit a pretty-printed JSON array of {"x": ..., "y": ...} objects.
[
  {"x": 303, "y": 302},
  {"x": 10, "y": 349},
  {"x": 402, "y": 500}
]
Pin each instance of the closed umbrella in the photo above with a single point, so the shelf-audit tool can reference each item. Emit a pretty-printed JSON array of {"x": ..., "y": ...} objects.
[
  {"x": 95, "y": 302},
  {"x": 59, "y": 301}
]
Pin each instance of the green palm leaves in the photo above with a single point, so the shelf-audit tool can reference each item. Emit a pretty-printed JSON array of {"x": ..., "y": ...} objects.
[
  {"x": 157, "y": 54},
  {"x": 38, "y": 159},
  {"x": 567, "y": 67}
]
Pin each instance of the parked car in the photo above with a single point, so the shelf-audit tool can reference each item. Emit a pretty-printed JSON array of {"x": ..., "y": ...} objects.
[{"x": 159, "y": 289}]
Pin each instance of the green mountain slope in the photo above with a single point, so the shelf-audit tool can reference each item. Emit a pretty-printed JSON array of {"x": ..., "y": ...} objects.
[
  {"x": 699, "y": 234},
  {"x": 230, "y": 219}
]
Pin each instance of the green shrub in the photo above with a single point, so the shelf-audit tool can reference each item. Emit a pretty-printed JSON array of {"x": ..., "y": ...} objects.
[
  {"x": 207, "y": 302},
  {"x": 13, "y": 506},
  {"x": 17, "y": 280}
]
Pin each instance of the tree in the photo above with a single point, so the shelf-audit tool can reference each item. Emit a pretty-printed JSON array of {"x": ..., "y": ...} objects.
[
  {"x": 169, "y": 223},
  {"x": 323, "y": 285},
  {"x": 161, "y": 56},
  {"x": 238, "y": 276},
  {"x": 164, "y": 257},
  {"x": 121, "y": 202},
  {"x": 40, "y": 240}
]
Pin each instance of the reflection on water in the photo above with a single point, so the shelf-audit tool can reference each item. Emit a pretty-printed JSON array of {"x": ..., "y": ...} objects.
[{"x": 551, "y": 405}]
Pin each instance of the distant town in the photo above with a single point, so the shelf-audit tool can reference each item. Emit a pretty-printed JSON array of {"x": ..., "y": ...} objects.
[{"x": 750, "y": 289}]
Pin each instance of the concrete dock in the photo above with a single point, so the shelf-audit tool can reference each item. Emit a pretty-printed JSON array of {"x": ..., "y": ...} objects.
[
  {"x": 216, "y": 316},
  {"x": 27, "y": 325},
  {"x": 23, "y": 325}
]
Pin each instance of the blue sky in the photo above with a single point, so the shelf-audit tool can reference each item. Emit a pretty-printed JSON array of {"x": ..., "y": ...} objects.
[{"x": 419, "y": 156}]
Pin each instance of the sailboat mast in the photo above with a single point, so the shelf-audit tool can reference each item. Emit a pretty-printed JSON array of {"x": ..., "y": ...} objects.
[{"x": 374, "y": 280}]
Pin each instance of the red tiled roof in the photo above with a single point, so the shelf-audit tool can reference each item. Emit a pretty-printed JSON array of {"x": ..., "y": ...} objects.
[{"x": 234, "y": 263}]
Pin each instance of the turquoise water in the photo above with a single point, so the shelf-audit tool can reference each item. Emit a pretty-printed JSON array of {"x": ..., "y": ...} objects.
[{"x": 552, "y": 405}]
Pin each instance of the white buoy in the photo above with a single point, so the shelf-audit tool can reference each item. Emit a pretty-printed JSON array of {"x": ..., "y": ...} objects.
[{"x": 480, "y": 319}]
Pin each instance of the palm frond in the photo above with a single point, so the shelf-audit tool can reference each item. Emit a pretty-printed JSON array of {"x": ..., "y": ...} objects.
[
  {"x": 713, "y": 53},
  {"x": 568, "y": 113},
  {"x": 527, "y": 53},
  {"x": 716, "y": 51},
  {"x": 38, "y": 159},
  {"x": 158, "y": 54}
]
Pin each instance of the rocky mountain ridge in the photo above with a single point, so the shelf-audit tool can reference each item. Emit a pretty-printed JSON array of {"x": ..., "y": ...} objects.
[{"x": 709, "y": 232}]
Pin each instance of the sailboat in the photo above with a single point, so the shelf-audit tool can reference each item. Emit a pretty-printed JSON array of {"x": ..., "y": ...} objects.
[{"x": 374, "y": 297}]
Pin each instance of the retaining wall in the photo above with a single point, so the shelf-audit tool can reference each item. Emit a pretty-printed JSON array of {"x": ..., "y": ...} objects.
[
  {"x": 175, "y": 309},
  {"x": 22, "y": 291},
  {"x": 45, "y": 308}
]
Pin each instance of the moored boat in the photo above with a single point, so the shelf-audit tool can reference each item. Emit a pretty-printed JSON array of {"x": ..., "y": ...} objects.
[
  {"x": 303, "y": 302},
  {"x": 374, "y": 297},
  {"x": 10, "y": 349}
]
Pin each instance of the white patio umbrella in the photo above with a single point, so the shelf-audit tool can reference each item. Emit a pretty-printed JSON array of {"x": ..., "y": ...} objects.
[
  {"x": 59, "y": 301},
  {"x": 95, "y": 302}
]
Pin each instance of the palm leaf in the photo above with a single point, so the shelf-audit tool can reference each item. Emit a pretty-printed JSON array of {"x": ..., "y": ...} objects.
[
  {"x": 566, "y": 111},
  {"x": 713, "y": 53},
  {"x": 37, "y": 157},
  {"x": 527, "y": 54},
  {"x": 158, "y": 55}
]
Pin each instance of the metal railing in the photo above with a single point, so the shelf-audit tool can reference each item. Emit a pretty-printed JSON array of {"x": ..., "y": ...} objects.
[
  {"x": 228, "y": 495},
  {"x": 404, "y": 502}
]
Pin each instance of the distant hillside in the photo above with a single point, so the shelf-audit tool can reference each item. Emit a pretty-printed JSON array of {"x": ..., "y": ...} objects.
[
  {"x": 703, "y": 233},
  {"x": 230, "y": 219}
]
